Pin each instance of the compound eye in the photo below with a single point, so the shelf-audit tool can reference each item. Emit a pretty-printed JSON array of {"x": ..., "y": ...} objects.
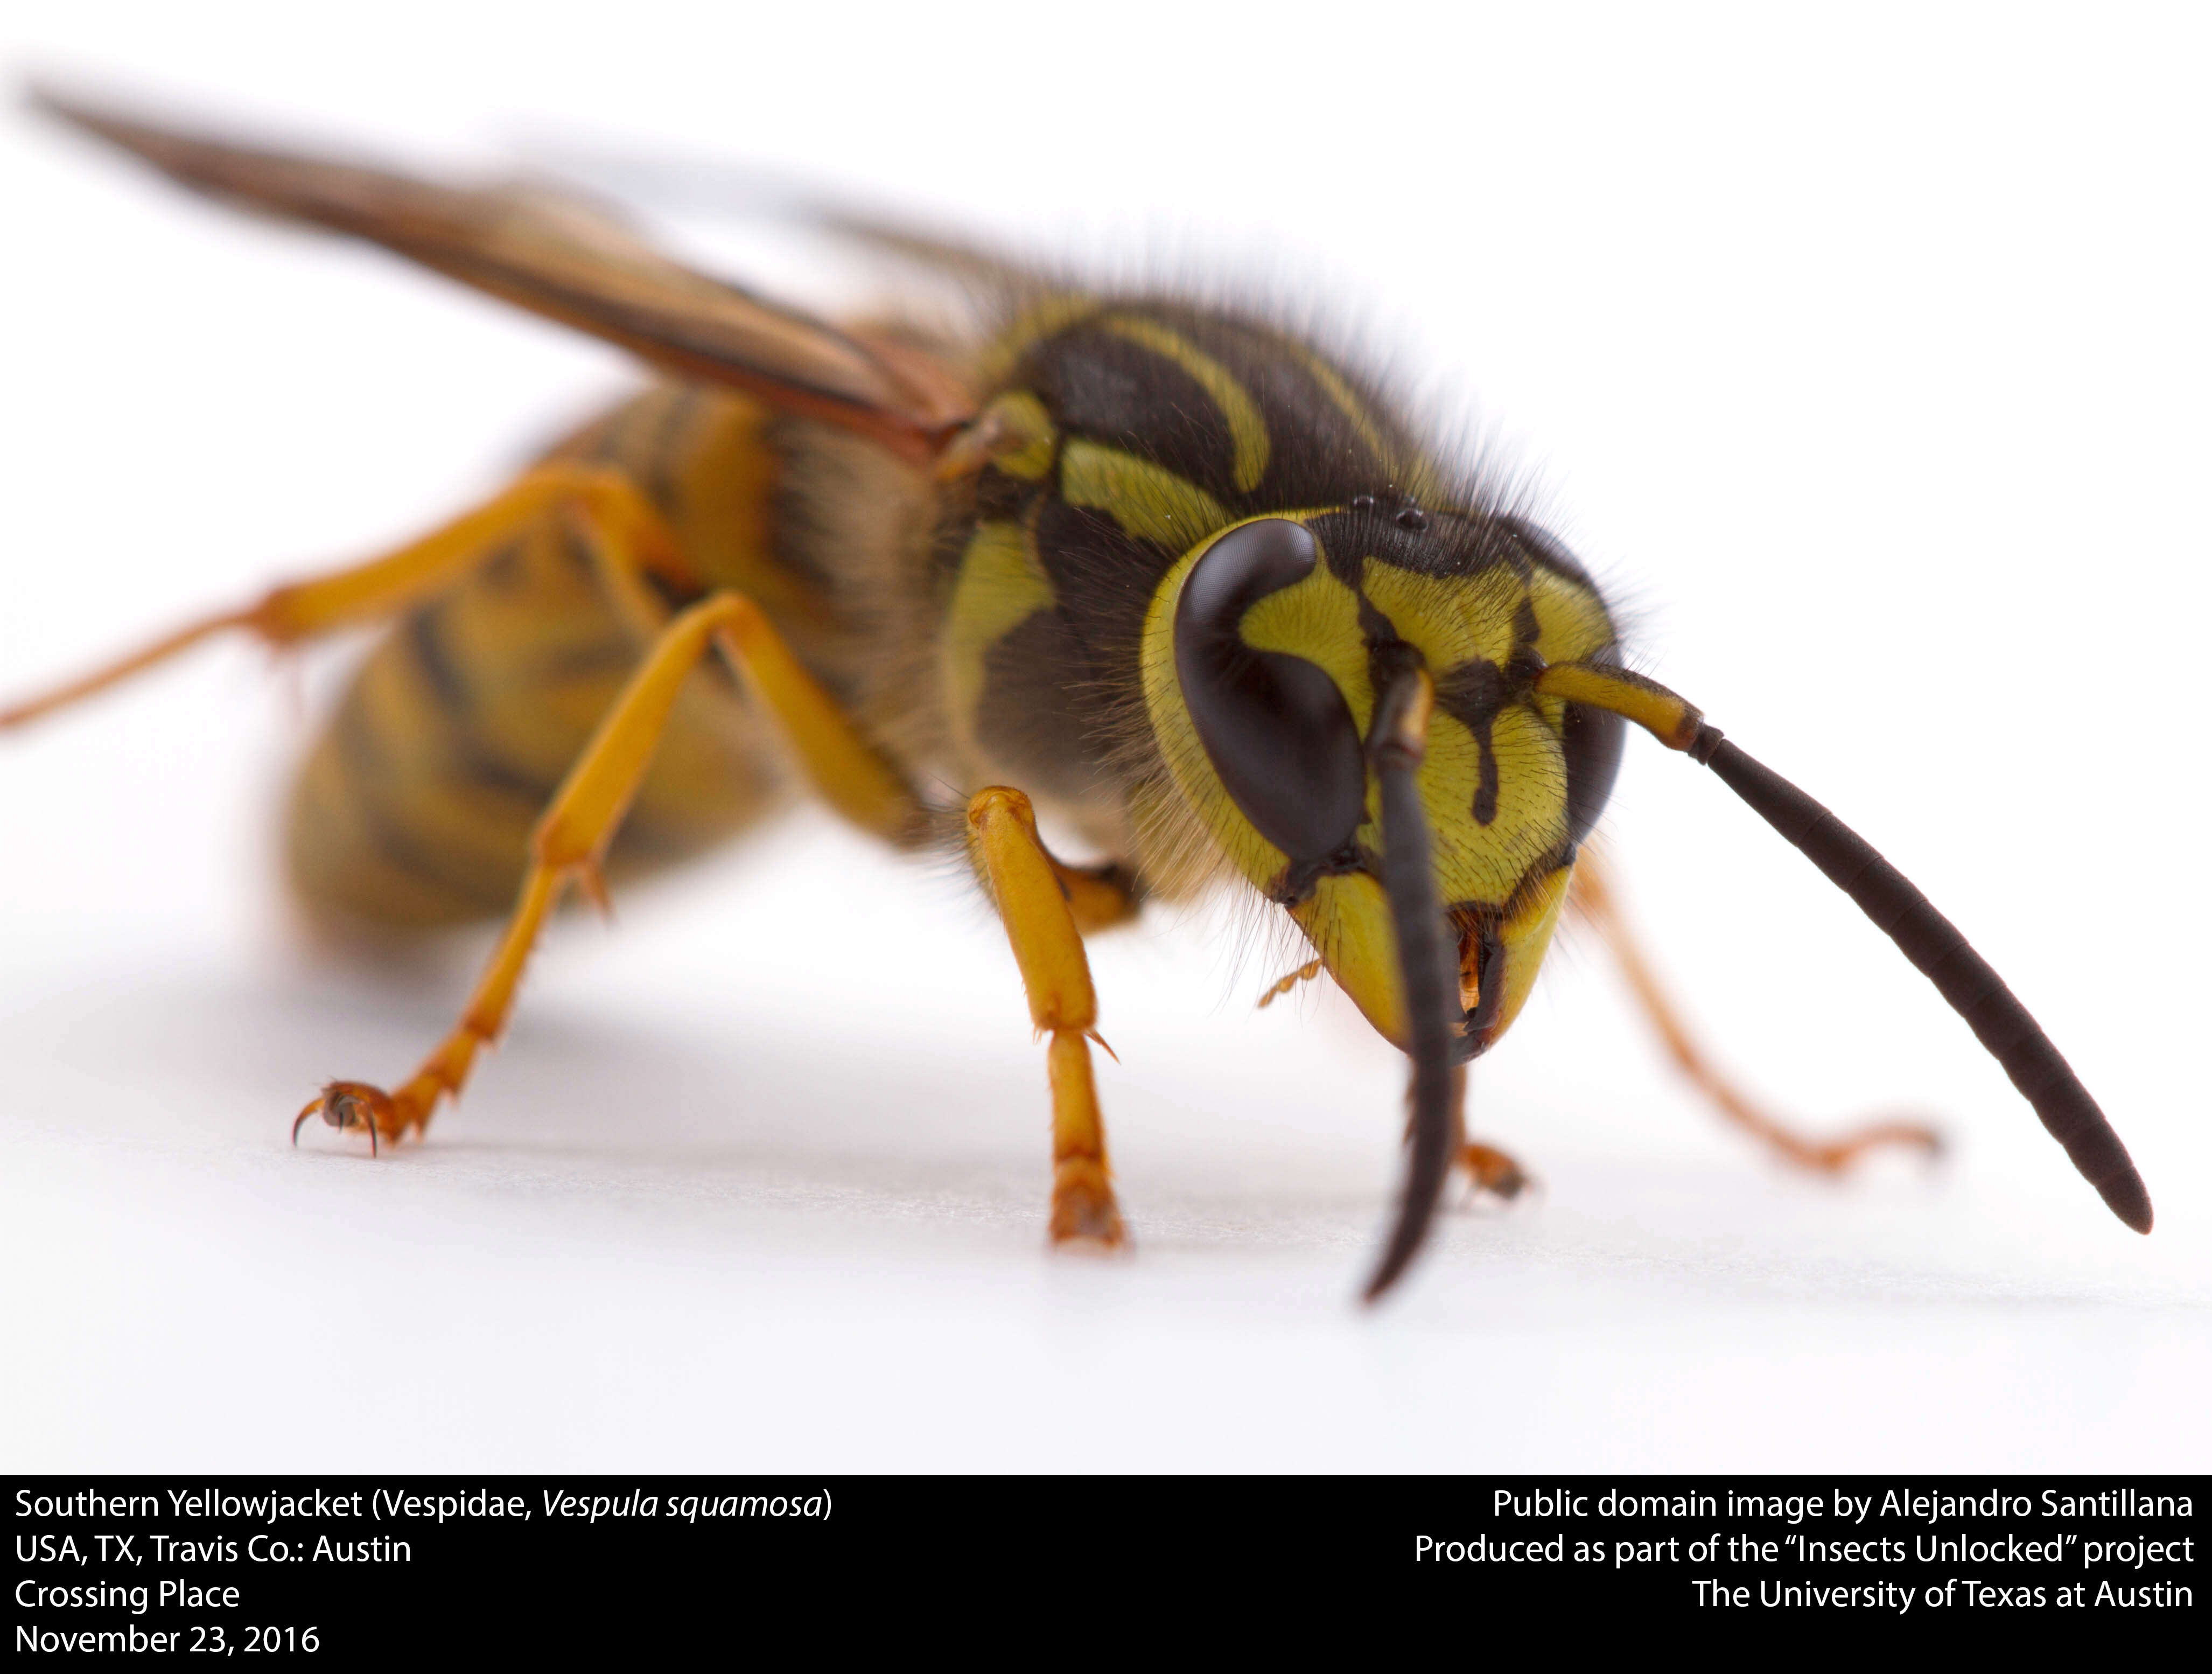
[
  {"x": 1591, "y": 740},
  {"x": 1277, "y": 730}
]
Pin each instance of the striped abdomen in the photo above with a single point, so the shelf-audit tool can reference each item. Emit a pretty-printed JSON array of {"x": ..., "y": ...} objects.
[{"x": 415, "y": 805}]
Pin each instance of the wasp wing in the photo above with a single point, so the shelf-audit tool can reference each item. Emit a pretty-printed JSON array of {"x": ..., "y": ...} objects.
[
  {"x": 569, "y": 261},
  {"x": 698, "y": 185}
]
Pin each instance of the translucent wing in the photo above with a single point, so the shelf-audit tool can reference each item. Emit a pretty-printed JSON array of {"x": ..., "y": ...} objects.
[
  {"x": 698, "y": 185},
  {"x": 569, "y": 261}
]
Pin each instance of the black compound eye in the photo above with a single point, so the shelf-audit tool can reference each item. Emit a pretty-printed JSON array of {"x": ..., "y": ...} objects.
[
  {"x": 1591, "y": 740},
  {"x": 1275, "y": 727}
]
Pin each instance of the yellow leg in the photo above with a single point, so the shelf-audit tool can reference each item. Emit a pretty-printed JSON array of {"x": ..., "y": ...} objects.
[
  {"x": 844, "y": 767},
  {"x": 625, "y": 528},
  {"x": 1040, "y": 923},
  {"x": 588, "y": 809},
  {"x": 629, "y": 539},
  {"x": 1592, "y": 895}
]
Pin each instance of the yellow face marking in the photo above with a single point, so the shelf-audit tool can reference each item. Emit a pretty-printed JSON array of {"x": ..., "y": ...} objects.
[
  {"x": 1449, "y": 620},
  {"x": 1452, "y": 620},
  {"x": 1485, "y": 863},
  {"x": 1248, "y": 434},
  {"x": 1526, "y": 936},
  {"x": 1318, "y": 619},
  {"x": 1570, "y": 624},
  {"x": 1000, "y": 585},
  {"x": 1149, "y": 501},
  {"x": 1348, "y": 919}
]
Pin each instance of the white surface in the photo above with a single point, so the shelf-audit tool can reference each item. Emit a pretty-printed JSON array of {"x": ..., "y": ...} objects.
[{"x": 1871, "y": 366}]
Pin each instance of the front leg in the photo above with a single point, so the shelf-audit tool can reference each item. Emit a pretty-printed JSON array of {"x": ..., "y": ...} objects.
[{"x": 1035, "y": 903}]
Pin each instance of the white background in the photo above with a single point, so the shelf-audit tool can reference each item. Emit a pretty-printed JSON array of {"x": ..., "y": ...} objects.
[{"x": 1868, "y": 360}]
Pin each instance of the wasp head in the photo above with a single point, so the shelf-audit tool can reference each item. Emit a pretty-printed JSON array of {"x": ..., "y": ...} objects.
[{"x": 1267, "y": 655}]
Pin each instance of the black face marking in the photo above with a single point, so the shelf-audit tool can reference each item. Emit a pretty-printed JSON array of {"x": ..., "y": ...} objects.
[
  {"x": 1296, "y": 881},
  {"x": 1445, "y": 544},
  {"x": 1382, "y": 635},
  {"x": 1526, "y": 628},
  {"x": 1472, "y": 693},
  {"x": 1276, "y": 728}
]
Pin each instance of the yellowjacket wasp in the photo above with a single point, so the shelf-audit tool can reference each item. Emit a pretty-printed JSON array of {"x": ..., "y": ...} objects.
[{"x": 1168, "y": 574}]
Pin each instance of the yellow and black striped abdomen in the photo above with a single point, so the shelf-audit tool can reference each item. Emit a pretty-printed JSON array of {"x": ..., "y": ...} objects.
[{"x": 415, "y": 807}]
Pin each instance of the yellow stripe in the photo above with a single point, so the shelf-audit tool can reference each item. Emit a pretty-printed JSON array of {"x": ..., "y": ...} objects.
[
  {"x": 1248, "y": 435},
  {"x": 1149, "y": 502},
  {"x": 1001, "y": 586}
]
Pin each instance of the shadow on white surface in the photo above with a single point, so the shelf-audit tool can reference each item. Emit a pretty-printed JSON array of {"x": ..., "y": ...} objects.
[{"x": 748, "y": 1236}]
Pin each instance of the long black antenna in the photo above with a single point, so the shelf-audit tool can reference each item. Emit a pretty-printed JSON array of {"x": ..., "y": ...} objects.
[
  {"x": 1428, "y": 970},
  {"x": 1886, "y": 895},
  {"x": 1961, "y": 976}
]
